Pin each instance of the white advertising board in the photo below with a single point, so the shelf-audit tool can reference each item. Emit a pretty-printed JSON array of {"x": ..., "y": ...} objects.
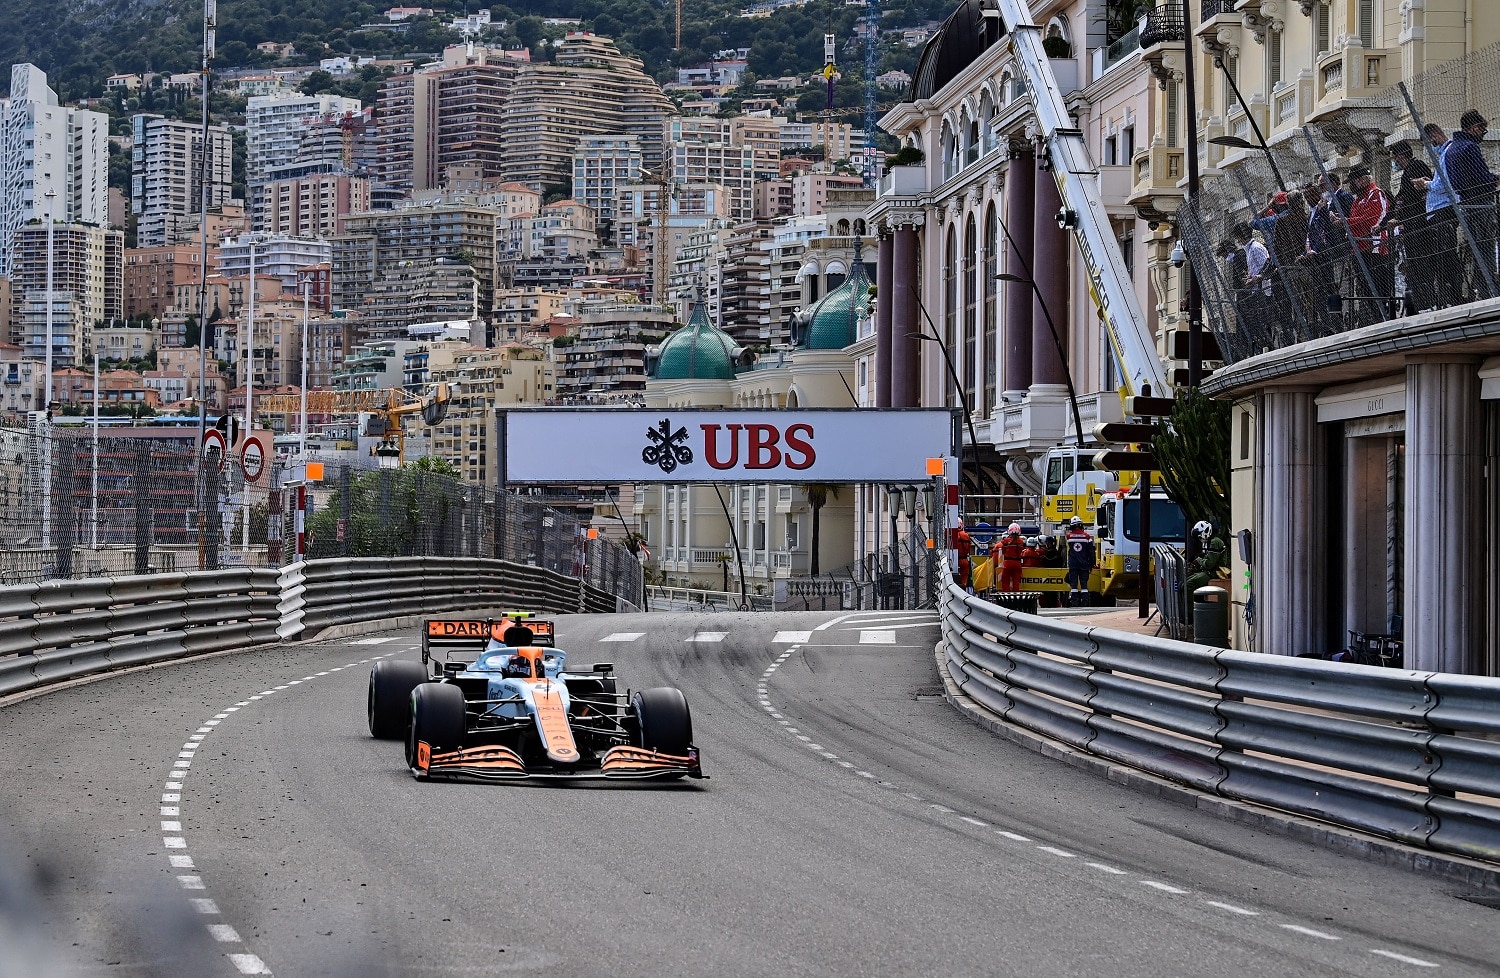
[{"x": 576, "y": 446}]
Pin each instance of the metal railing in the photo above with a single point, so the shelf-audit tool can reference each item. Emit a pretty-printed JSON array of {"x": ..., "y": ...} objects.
[
  {"x": 693, "y": 599},
  {"x": 67, "y": 628},
  {"x": 1412, "y": 756}
]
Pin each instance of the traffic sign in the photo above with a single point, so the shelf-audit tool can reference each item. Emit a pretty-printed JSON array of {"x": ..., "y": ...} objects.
[
  {"x": 1151, "y": 407},
  {"x": 1124, "y": 431},
  {"x": 982, "y": 533},
  {"x": 1118, "y": 461},
  {"x": 253, "y": 459},
  {"x": 213, "y": 447}
]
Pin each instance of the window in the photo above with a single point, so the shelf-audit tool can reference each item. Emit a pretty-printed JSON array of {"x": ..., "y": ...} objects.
[
  {"x": 1367, "y": 23},
  {"x": 1127, "y": 143},
  {"x": 1112, "y": 151},
  {"x": 1322, "y": 30},
  {"x": 1172, "y": 120},
  {"x": 1273, "y": 59}
]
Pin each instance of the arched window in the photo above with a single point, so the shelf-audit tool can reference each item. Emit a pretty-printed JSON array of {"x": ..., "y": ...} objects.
[
  {"x": 971, "y": 138},
  {"x": 950, "y": 151},
  {"x": 1007, "y": 87},
  {"x": 971, "y": 306},
  {"x": 989, "y": 350},
  {"x": 950, "y": 306}
]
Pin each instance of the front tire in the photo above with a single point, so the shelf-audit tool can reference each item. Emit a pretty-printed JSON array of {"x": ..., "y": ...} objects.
[
  {"x": 662, "y": 720},
  {"x": 437, "y": 717},
  {"x": 389, "y": 706}
]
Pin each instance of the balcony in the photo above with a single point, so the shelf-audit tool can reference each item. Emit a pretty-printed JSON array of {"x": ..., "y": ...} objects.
[
  {"x": 1161, "y": 34},
  {"x": 1118, "y": 52},
  {"x": 1155, "y": 193},
  {"x": 904, "y": 181},
  {"x": 1353, "y": 73}
]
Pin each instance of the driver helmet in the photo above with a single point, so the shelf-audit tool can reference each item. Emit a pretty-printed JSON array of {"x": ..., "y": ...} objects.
[
  {"x": 1076, "y": 521},
  {"x": 1013, "y": 528},
  {"x": 518, "y": 667}
]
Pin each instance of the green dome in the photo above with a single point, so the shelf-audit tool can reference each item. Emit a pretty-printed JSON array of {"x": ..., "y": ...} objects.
[
  {"x": 829, "y": 323},
  {"x": 697, "y": 351}
]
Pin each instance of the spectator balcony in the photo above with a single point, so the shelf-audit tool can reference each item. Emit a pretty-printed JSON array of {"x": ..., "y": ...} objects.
[{"x": 1156, "y": 191}]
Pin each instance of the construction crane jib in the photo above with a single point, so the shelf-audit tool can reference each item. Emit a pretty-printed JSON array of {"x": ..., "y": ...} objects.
[{"x": 1079, "y": 187}]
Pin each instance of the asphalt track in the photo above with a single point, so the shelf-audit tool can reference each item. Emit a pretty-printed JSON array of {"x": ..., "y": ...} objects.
[{"x": 854, "y": 825}]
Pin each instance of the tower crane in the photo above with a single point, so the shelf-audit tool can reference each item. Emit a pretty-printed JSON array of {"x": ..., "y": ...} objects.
[
  {"x": 665, "y": 187},
  {"x": 392, "y": 405}
]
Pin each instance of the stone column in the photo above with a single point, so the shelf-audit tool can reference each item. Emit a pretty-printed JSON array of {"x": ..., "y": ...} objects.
[
  {"x": 1050, "y": 271},
  {"x": 883, "y": 280},
  {"x": 906, "y": 358},
  {"x": 1444, "y": 595},
  {"x": 1020, "y": 206},
  {"x": 1290, "y": 564}
]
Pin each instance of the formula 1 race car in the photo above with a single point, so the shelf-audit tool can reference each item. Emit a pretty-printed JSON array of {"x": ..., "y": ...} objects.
[{"x": 491, "y": 700}]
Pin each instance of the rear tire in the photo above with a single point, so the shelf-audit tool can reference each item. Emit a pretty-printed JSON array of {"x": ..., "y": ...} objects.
[
  {"x": 389, "y": 706},
  {"x": 438, "y": 717},
  {"x": 662, "y": 720}
]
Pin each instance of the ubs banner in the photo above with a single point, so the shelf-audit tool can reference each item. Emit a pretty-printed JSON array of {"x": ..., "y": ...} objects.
[{"x": 592, "y": 445}]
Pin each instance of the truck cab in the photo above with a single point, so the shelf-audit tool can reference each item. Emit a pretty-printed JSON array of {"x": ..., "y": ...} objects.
[{"x": 1117, "y": 536}]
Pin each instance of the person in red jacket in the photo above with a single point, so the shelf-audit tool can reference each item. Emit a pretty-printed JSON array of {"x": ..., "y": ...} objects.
[
  {"x": 1367, "y": 217},
  {"x": 1011, "y": 546},
  {"x": 964, "y": 544}
]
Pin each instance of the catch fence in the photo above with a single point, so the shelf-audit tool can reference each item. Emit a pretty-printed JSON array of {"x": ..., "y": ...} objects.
[
  {"x": 76, "y": 506},
  {"x": 1281, "y": 259}
]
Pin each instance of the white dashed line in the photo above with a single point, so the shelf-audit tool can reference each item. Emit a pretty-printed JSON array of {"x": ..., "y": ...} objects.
[
  {"x": 373, "y": 641},
  {"x": 1320, "y": 935},
  {"x": 1231, "y": 908},
  {"x": 1106, "y": 868},
  {"x": 1012, "y": 836},
  {"x": 707, "y": 637},
  {"x": 622, "y": 636},
  {"x": 1058, "y": 852},
  {"x": 1404, "y": 959},
  {"x": 171, "y": 825},
  {"x": 1165, "y": 888},
  {"x": 795, "y": 637},
  {"x": 877, "y": 636},
  {"x": 974, "y": 821}
]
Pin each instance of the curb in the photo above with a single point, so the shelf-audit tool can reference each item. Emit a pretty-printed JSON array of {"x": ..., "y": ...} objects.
[{"x": 1325, "y": 835}]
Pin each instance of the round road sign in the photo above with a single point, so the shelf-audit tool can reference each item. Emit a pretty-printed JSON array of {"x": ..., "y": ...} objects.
[
  {"x": 213, "y": 448},
  {"x": 982, "y": 533},
  {"x": 253, "y": 459}
]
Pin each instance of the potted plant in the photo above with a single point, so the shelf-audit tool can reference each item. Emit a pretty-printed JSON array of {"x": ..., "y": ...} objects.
[
  {"x": 906, "y": 156},
  {"x": 1057, "y": 46}
]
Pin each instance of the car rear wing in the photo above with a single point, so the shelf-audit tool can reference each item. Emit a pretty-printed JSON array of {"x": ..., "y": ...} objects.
[{"x": 466, "y": 638}]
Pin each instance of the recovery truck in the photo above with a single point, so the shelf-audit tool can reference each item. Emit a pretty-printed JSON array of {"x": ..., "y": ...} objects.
[{"x": 1064, "y": 477}]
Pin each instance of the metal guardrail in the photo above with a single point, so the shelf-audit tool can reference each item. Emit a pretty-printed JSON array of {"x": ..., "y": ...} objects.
[
  {"x": 64, "y": 629},
  {"x": 1413, "y": 756},
  {"x": 693, "y": 599}
]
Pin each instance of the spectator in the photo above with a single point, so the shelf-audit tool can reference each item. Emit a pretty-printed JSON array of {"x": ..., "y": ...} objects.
[
  {"x": 1367, "y": 217},
  {"x": 1436, "y": 272},
  {"x": 1470, "y": 178},
  {"x": 1408, "y": 215},
  {"x": 1327, "y": 239}
]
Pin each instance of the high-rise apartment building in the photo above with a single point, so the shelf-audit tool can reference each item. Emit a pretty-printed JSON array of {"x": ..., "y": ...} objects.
[
  {"x": 414, "y": 265},
  {"x": 152, "y": 275},
  {"x": 166, "y": 170},
  {"x": 312, "y": 206},
  {"x": 590, "y": 88},
  {"x": 54, "y": 161},
  {"x": 601, "y": 166},
  {"x": 87, "y": 287},
  {"x": 444, "y": 114},
  {"x": 275, "y": 127}
]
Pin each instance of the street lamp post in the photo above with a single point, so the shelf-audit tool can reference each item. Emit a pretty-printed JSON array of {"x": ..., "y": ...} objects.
[
  {"x": 51, "y": 196},
  {"x": 963, "y": 402},
  {"x": 249, "y": 396},
  {"x": 302, "y": 421}
]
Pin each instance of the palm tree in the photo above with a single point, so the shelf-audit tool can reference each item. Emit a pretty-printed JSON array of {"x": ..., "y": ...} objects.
[{"x": 818, "y": 493}]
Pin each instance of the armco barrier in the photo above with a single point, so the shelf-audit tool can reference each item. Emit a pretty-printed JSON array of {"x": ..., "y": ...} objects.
[
  {"x": 1413, "y": 756},
  {"x": 63, "y": 629}
]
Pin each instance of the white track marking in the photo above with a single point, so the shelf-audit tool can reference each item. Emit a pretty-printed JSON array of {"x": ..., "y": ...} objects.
[
  {"x": 1320, "y": 935},
  {"x": 1165, "y": 888},
  {"x": 707, "y": 637},
  {"x": 1232, "y": 908},
  {"x": 881, "y": 636},
  {"x": 171, "y": 824},
  {"x": 895, "y": 625},
  {"x": 974, "y": 821},
  {"x": 1404, "y": 959},
  {"x": 622, "y": 636},
  {"x": 1106, "y": 868},
  {"x": 373, "y": 641},
  {"x": 795, "y": 637},
  {"x": 1059, "y": 852},
  {"x": 1013, "y": 836}
]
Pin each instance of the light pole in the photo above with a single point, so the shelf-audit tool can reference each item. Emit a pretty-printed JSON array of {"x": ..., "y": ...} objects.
[
  {"x": 51, "y": 196},
  {"x": 1062, "y": 355},
  {"x": 963, "y": 402},
  {"x": 302, "y": 421},
  {"x": 94, "y": 494},
  {"x": 249, "y": 396}
]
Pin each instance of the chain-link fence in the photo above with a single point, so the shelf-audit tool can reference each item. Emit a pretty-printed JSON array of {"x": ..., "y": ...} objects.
[
  {"x": 75, "y": 506},
  {"x": 1379, "y": 209}
]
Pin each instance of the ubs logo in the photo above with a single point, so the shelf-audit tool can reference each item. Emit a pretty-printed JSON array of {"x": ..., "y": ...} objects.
[{"x": 666, "y": 450}]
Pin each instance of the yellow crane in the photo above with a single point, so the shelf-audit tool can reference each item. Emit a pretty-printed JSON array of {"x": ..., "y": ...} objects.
[
  {"x": 392, "y": 405},
  {"x": 666, "y": 188}
]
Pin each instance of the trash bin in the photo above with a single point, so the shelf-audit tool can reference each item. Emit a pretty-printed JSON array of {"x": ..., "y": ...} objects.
[
  {"x": 1211, "y": 616},
  {"x": 1023, "y": 601}
]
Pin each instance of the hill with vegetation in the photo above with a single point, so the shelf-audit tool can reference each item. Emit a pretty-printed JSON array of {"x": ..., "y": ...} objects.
[{"x": 80, "y": 43}]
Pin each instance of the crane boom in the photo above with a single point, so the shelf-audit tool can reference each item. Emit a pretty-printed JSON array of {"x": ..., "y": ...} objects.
[{"x": 1078, "y": 184}]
